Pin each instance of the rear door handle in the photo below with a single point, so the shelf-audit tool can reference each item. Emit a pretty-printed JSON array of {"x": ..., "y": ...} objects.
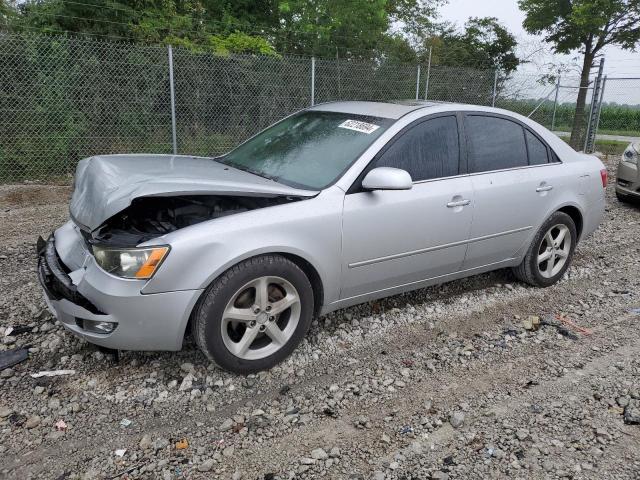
[
  {"x": 459, "y": 203},
  {"x": 544, "y": 188}
]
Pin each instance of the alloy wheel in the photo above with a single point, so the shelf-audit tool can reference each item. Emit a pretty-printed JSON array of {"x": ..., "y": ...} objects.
[
  {"x": 554, "y": 250},
  {"x": 260, "y": 318}
]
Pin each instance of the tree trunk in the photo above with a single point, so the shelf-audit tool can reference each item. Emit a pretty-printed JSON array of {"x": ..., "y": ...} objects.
[{"x": 579, "y": 125}]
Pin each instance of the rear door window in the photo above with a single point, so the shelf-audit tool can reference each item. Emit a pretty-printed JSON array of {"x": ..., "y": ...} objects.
[
  {"x": 494, "y": 143},
  {"x": 427, "y": 151},
  {"x": 538, "y": 154}
]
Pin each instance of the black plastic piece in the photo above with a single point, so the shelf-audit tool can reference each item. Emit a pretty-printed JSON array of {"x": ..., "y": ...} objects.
[
  {"x": 54, "y": 279},
  {"x": 9, "y": 358}
]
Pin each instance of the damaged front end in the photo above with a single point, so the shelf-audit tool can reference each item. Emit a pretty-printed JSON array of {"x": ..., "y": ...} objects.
[{"x": 150, "y": 217}]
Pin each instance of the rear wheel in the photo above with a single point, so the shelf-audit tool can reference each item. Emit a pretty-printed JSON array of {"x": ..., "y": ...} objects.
[
  {"x": 255, "y": 314},
  {"x": 550, "y": 253}
]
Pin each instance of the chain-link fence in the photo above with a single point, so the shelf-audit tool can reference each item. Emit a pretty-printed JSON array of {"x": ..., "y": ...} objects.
[
  {"x": 65, "y": 98},
  {"x": 548, "y": 101},
  {"x": 619, "y": 117}
]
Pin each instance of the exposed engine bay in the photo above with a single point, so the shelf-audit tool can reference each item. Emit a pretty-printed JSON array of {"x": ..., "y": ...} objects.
[{"x": 150, "y": 217}]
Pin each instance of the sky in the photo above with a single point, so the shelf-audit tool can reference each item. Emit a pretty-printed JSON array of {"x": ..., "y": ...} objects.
[{"x": 618, "y": 62}]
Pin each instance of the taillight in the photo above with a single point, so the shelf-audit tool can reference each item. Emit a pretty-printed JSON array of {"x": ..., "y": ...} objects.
[{"x": 604, "y": 177}]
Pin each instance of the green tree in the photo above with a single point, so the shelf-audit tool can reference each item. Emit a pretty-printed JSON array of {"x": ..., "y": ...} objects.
[
  {"x": 215, "y": 25},
  {"x": 484, "y": 42},
  {"x": 330, "y": 28},
  {"x": 6, "y": 12},
  {"x": 326, "y": 28},
  {"x": 586, "y": 26},
  {"x": 356, "y": 28}
]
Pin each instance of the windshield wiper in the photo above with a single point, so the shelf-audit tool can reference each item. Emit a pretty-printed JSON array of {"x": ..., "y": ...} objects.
[{"x": 254, "y": 172}]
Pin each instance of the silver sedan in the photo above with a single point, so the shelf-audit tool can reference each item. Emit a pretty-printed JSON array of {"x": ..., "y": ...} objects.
[
  {"x": 336, "y": 205},
  {"x": 628, "y": 174}
]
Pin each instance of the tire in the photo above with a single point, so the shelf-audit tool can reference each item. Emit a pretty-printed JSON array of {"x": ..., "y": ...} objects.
[
  {"x": 227, "y": 327},
  {"x": 624, "y": 198},
  {"x": 544, "y": 274}
]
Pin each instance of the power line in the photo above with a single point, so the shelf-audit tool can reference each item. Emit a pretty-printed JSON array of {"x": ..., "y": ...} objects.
[
  {"x": 285, "y": 42},
  {"x": 280, "y": 34},
  {"x": 245, "y": 26}
]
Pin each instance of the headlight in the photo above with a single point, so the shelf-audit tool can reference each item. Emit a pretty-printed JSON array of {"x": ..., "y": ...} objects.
[
  {"x": 630, "y": 155},
  {"x": 138, "y": 263}
]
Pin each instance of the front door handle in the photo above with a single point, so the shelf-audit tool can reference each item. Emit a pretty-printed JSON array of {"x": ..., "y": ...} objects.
[
  {"x": 544, "y": 188},
  {"x": 459, "y": 203}
]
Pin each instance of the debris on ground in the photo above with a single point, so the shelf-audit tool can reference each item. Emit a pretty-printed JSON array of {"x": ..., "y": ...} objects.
[
  {"x": 17, "y": 330},
  {"x": 182, "y": 444},
  {"x": 552, "y": 321},
  {"x": 531, "y": 323},
  {"x": 53, "y": 373},
  {"x": 61, "y": 426},
  {"x": 572, "y": 325},
  {"x": 9, "y": 358}
]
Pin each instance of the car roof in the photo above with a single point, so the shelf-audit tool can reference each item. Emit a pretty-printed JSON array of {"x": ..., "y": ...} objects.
[{"x": 391, "y": 109}]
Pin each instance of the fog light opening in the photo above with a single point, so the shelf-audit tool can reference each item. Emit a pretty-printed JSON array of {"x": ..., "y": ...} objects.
[{"x": 95, "y": 326}]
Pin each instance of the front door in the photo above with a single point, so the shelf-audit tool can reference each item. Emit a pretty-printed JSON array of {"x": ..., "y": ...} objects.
[{"x": 396, "y": 238}]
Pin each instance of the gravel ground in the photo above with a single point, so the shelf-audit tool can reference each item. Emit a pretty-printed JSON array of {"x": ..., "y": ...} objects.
[{"x": 454, "y": 381}]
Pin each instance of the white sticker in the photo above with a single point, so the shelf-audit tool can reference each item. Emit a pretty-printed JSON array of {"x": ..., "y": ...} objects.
[{"x": 358, "y": 126}]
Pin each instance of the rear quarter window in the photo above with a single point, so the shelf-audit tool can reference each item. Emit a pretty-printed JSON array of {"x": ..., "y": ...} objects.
[
  {"x": 538, "y": 153},
  {"x": 494, "y": 143}
]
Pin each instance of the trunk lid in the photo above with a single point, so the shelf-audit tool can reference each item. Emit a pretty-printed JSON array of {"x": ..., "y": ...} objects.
[{"x": 107, "y": 184}]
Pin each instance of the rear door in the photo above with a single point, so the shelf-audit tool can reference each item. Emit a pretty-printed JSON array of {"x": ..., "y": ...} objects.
[
  {"x": 512, "y": 184},
  {"x": 394, "y": 238}
]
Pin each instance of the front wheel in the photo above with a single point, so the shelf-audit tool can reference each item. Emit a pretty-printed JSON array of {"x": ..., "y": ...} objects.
[
  {"x": 255, "y": 314},
  {"x": 550, "y": 252}
]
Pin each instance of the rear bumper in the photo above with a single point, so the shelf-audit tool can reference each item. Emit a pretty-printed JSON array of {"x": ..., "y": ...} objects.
[
  {"x": 628, "y": 179},
  {"x": 142, "y": 322}
]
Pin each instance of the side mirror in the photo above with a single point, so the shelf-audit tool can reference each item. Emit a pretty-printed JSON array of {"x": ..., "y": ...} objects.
[{"x": 387, "y": 178}]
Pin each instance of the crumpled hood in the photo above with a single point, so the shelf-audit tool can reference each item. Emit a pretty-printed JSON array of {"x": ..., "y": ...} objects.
[{"x": 107, "y": 184}]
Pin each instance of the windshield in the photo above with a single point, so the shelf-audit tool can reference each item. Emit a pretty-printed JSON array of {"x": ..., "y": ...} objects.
[{"x": 308, "y": 150}]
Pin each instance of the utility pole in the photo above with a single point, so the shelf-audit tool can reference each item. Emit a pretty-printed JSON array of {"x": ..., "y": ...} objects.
[
  {"x": 590, "y": 137},
  {"x": 555, "y": 104}
]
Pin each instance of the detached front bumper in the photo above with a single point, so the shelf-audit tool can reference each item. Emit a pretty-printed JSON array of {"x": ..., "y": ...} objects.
[
  {"x": 88, "y": 296},
  {"x": 628, "y": 179}
]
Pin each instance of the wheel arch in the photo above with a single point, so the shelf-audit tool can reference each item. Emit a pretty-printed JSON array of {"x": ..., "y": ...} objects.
[
  {"x": 576, "y": 215},
  {"x": 304, "y": 264},
  {"x": 312, "y": 274}
]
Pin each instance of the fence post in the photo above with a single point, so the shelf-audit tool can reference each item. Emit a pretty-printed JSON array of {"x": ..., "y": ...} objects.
[
  {"x": 418, "y": 83},
  {"x": 495, "y": 89},
  {"x": 173, "y": 102},
  {"x": 426, "y": 87},
  {"x": 313, "y": 81},
  {"x": 604, "y": 83},
  {"x": 555, "y": 104},
  {"x": 590, "y": 137}
]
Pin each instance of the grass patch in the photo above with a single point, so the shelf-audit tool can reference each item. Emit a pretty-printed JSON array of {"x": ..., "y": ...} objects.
[
  {"x": 604, "y": 131},
  {"x": 609, "y": 147}
]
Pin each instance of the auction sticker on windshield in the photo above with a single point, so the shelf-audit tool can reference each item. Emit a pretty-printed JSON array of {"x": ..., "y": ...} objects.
[{"x": 358, "y": 126}]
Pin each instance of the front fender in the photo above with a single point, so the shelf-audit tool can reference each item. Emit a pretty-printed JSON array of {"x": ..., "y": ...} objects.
[{"x": 309, "y": 229}]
